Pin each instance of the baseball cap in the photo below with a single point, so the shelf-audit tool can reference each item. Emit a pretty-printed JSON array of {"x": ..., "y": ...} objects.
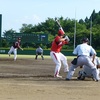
[{"x": 61, "y": 32}]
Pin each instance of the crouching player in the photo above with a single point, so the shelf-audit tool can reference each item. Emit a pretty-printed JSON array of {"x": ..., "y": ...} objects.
[{"x": 87, "y": 72}]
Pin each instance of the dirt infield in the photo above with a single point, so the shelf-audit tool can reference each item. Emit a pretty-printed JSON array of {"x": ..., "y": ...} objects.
[{"x": 29, "y": 79}]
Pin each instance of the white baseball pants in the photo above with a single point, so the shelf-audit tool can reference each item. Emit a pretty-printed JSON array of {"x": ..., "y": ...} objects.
[
  {"x": 14, "y": 50},
  {"x": 58, "y": 58}
]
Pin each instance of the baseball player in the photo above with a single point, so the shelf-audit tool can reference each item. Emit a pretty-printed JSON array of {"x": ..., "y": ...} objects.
[
  {"x": 87, "y": 72},
  {"x": 39, "y": 51},
  {"x": 14, "y": 47},
  {"x": 83, "y": 52},
  {"x": 56, "y": 55}
]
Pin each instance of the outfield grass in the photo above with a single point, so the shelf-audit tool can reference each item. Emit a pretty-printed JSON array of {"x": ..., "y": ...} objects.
[{"x": 28, "y": 56}]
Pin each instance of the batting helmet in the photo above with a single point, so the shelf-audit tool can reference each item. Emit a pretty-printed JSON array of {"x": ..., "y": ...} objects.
[{"x": 61, "y": 32}]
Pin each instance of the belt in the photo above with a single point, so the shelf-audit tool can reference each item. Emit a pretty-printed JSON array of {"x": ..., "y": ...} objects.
[{"x": 82, "y": 55}]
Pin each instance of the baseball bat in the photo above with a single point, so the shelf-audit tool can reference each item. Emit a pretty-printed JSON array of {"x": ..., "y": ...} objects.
[
  {"x": 57, "y": 21},
  {"x": 60, "y": 27}
]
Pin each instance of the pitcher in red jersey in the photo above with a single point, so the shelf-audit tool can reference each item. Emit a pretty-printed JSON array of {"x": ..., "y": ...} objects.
[{"x": 56, "y": 54}]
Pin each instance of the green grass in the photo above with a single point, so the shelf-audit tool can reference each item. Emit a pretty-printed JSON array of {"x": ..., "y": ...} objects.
[{"x": 28, "y": 56}]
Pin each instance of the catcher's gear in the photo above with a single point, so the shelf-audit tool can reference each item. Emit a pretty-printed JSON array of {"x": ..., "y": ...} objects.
[
  {"x": 74, "y": 62},
  {"x": 81, "y": 75}
]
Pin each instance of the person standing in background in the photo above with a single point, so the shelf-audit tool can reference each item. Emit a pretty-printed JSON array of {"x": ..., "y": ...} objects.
[{"x": 39, "y": 51}]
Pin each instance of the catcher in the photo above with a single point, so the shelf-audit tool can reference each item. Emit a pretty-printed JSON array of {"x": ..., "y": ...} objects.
[
  {"x": 83, "y": 52},
  {"x": 14, "y": 47},
  {"x": 87, "y": 72}
]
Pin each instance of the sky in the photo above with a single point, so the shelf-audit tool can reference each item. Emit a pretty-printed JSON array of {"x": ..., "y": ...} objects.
[{"x": 18, "y": 12}]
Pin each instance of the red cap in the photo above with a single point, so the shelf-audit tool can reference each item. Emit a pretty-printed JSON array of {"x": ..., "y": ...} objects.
[{"x": 61, "y": 32}]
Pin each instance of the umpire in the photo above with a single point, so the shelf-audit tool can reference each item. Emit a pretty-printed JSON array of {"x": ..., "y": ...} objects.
[
  {"x": 39, "y": 51},
  {"x": 83, "y": 52}
]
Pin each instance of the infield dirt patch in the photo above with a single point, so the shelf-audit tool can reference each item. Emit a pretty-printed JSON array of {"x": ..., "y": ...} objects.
[{"x": 29, "y": 79}]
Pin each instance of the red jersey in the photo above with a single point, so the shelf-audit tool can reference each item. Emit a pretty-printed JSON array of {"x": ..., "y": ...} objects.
[{"x": 56, "y": 45}]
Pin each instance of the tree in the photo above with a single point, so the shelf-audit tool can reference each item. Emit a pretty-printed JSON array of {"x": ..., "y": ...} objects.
[
  {"x": 81, "y": 21},
  {"x": 26, "y": 28},
  {"x": 7, "y": 32},
  {"x": 50, "y": 27}
]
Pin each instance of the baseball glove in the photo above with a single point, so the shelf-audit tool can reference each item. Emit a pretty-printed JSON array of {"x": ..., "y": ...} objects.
[{"x": 74, "y": 62}]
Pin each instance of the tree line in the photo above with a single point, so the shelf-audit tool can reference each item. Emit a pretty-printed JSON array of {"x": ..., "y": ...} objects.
[{"x": 50, "y": 27}]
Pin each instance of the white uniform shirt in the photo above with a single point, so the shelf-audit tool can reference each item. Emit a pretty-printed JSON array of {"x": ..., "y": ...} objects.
[{"x": 84, "y": 49}]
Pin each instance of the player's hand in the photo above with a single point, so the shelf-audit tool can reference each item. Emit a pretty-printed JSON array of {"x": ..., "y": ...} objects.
[
  {"x": 66, "y": 38},
  {"x": 22, "y": 49}
]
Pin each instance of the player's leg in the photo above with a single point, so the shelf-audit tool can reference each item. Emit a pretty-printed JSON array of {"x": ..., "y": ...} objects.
[
  {"x": 56, "y": 59},
  {"x": 11, "y": 50},
  {"x": 71, "y": 72},
  {"x": 98, "y": 74},
  {"x": 93, "y": 69},
  {"x": 42, "y": 56},
  {"x": 64, "y": 61},
  {"x": 73, "y": 67},
  {"x": 36, "y": 56},
  {"x": 15, "y": 54}
]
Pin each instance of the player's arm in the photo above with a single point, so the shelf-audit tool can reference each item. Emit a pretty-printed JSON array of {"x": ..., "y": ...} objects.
[
  {"x": 20, "y": 48},
  {"x": 93, "y": 58},
  {"x": 93, "y": 52},
  {"x": 98, "y": 62},
  {"x": 64, "y": 39}
]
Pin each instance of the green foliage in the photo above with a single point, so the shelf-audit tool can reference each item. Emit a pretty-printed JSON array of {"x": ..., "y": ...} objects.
[
  {"x": 4, "y": 43},
  {"x": 50, "y": 27},
  {"x": 8, "y": 31},
  {"x": 26, "y": 28}
]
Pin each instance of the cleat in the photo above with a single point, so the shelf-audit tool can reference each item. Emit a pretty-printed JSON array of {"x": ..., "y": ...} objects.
[
  {"x": 66, "y": 71},
  {"x": 67, "y": 79},
  {"x": 58, "y": 76},
  {"x": 95, "y": 80}
]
